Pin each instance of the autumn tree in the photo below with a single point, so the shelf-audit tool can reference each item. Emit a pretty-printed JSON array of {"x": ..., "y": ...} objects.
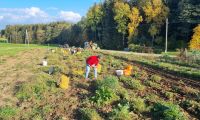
[
  {"x": 195, "y": 41},
  {"x": 155, "y": 13},
  {"x": 135, "y": 20},
  {"x": 122, "y": 11}
]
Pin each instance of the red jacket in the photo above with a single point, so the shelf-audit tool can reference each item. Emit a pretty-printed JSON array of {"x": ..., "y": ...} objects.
[{"x": 92, "y": 60}]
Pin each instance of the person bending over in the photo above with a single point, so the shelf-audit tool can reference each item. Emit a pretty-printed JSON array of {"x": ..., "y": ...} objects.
[{"x": 92, "y": 61}]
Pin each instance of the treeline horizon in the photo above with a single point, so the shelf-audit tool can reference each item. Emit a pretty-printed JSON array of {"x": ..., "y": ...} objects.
[{"x": 116, "y": 24}]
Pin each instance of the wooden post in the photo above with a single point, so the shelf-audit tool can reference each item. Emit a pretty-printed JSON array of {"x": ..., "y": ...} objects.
[
  {"x": 166, "y": 35},
  {"x": 10, "y": 38},
  {"x": 26, "y": 38}
]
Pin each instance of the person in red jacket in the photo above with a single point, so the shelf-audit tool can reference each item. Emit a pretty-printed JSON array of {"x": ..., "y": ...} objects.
[{"x": 92, "y": 61}]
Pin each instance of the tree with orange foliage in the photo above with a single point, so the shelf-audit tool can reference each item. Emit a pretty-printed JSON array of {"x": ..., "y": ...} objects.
[{"x": 195, "y": 41}]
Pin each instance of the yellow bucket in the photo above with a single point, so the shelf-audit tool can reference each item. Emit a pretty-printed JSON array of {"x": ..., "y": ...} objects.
[
  {"x": 64, "y": 82},
  {"x": 99, "y": 68}
]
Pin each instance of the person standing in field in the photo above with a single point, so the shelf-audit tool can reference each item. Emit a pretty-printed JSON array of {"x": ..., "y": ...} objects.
[{"x": 92, "y": 61}]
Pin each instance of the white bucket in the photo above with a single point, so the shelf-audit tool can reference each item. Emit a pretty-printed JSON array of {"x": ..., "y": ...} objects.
[
  {"x": 53, "y": 51},
  {"x": 119, "y": 72},
  {"x": 44, "y": 63}
]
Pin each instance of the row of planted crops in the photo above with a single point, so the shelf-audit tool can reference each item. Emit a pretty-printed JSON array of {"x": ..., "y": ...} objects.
[{"x": 140, "y": 95}]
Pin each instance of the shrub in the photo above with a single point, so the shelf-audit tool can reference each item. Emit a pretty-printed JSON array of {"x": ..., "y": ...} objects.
[
  {"x": 103, "y": 96},
  {"x": 135, "y": 84},
  {"x": 155, "y": 78},
  {"x": 7, "y": 112},
  {"x": 167, "y": 111},
  {"x": 141, "y": 49},
  {"x": 134, "y": 48},
  {"x": 136, "y": 74},
  {"x": 109, "y": 82},
  {"x": 137, "y": 105},
  {"x": 120, "y": 113},
  {"x": 89, "y": 114}
]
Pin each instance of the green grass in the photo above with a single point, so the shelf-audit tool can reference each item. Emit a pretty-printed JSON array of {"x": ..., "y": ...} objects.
[
  {"x": 7, "y": 49},
  {"x": 7, "y": 112}
]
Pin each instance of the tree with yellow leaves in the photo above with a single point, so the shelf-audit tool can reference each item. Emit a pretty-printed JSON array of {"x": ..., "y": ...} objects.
[
  {"x": 195, "y": 41},
  {"x": 156, "y": 13},
  {"x": 122, "y": 11},
  {"x": 135, "y": 20}
]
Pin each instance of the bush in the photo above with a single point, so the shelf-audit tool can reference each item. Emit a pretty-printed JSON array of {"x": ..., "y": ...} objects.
[
  {"x": 135, "y": 84},
  {"x": 7, "y": 112},
  {"x": 141, "y": 49},
  {"x": 167, "y": 111},
  {"x": 109, "y": 82},
  {"x": 120, "y": 113},
  {"x": 134, "y": 48},
  {"x": 89, "y": 114},
  {"x": 103, "y": 96},
  {"x": 137, "y": 105},
  {"x": 155, "y": 78}
]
